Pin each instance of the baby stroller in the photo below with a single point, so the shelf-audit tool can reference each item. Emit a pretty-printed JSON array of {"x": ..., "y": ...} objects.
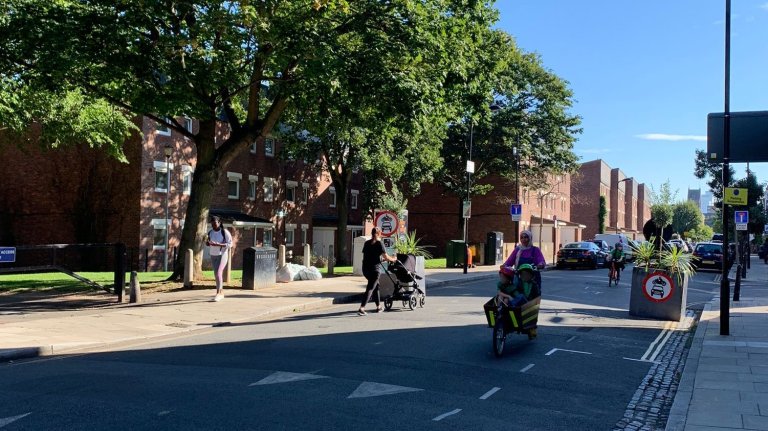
[{"x": 399, "y": 283}]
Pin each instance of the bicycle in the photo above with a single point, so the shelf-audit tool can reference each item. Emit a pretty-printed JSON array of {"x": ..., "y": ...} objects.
[{"x": 614, "y": 275}]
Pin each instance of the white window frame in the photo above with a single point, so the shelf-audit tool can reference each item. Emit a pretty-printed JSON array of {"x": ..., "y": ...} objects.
[
  {"x": 162, "y": 129},
  {"x": 269, "y": 147},
  {"x": 354, "y": 196},
  {"x": 159, "y": 224},
  {"x": 186, "y": 172},
  {"x": 290, "y": 234},
  {"x": 162, "y": 167},
  {"x": 268, "y": 234},
  {"x": 304, "y": 192},
  {"x": 253, "y": 181},
  {"x": 269, "y": 189},
  {"x": 188, "y": 125},
  {"x": 332, "y": 191},
  {"x": 234, "y": 176},
  {"x": 291, "y": 186}
]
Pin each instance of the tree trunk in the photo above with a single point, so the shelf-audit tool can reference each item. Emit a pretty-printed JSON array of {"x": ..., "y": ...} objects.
[{"x": 341, "y": 183}]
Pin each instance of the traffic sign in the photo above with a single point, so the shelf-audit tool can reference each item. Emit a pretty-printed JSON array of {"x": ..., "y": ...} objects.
[
  {"x": 466, "y": 209},
  {"x": 765, "y": 229},
  {"x": 658, "y": 286},
  {"x": 8, "y": 254},
  {"x": 516, "y": 211},
  {"x": 735, "y": 196},
  {"x": 741, "y": 218},
  {"x": 387, "y": 222}
]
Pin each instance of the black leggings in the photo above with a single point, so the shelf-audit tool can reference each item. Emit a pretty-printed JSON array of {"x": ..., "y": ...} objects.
[{"x": 373, "y": 285}]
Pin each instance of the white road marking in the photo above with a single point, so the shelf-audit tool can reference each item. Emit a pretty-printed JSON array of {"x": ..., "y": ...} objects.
[
  {"x": 286, "y": 377},
  {"x": 378, "y": 343},
  {"x": 164, "y": 412},
  {"x": 640, "y": 360},
  {"x": 527, "y": 367},
  {"x": 651, "y": 346},
  {"x": 661, "y": 346},
  {"x": 11, "y": 419},
  {"x": 445, "y": 415},
  {"x": 565, "y": 350},
  {"x": 373, "y": 389},
  {"x": 570, "y": 339},
  {"x": 489, "y": 393}
]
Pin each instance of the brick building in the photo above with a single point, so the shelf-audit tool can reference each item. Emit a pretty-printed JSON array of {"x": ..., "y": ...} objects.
[
  {"x": 626, "y": 200},
  {"x": 78, "y": 195},
  {"x": 435, "y": 215}
]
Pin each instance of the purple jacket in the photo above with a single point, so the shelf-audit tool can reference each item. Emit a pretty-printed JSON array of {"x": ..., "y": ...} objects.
[{"x": 532, "y": 255}]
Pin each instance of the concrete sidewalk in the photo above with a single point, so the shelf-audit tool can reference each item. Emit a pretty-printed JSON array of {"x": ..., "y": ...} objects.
[
  {"x": 29, "y": 333},
  {"x": 725, "y": 382}
]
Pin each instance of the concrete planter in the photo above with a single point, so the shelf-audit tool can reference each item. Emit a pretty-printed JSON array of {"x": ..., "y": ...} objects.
[{"x": 657, "y": 294}]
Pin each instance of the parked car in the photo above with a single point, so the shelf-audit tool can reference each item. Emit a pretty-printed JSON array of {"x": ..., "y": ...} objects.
[
  {"x": 604, "y": 246},
  {"x": 708, "y": 255},
  {"x": 584, "y": 254},
  {"x": 718, "y": 237}
]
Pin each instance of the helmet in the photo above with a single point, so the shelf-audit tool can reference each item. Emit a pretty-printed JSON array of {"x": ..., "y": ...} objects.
[
  {"x": 508, "y": 271},
  {"x": 525, "y": 267},
  {"x": 619, "y": 245}
]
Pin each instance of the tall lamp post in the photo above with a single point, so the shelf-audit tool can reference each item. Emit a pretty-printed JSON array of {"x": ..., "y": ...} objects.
[
  {"x": 625, "y": 202},
  {"x": 168, "y": 151},
  {"x": 467, "y": 203},
  {"x": 516, "y": 155}
]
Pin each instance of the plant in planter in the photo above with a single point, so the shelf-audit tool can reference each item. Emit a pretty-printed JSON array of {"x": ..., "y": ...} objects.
[{"x": 409, "y": 244}]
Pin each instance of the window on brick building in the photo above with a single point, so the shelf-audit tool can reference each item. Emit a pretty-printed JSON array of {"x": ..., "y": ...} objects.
[
  {"x": 161, "y": 176},
  {"x": 162, "y": 129},
  {"x": 267, "y": 237},
  {"x": 269, "y": 147},
  {"x": 304, "y": 192},
  {"x": 253, "y": 147},
  {"x": 233, "y": 185},
  {"x": 252, "y": 180},
  {"x": 158, "y": 235},
  {"x": 332, "y": 191},
  {"x": 269, "y": 189},
  {"x": 290, "y": 190},
  {"x": 188, "y": 124},
  {"x": 353, "y": 198},
  {"x": 186, "y": 179},
  {"x": 290, "y": 231}
]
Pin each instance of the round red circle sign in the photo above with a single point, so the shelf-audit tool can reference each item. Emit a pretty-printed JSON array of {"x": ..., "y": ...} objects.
[
  {"x": 658, "y": 286},
  {"x": 387, "y": 223}
]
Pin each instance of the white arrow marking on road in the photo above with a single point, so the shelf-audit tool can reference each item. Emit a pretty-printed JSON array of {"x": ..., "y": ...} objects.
[
  {"x": 489, "y": 393},
  {"x": 286, "y": 377},
  {"x": 445, "y": 415},
  {"x": 6, "y": 421},
  {"x": 565, "y": 350},
  {"x": 373, "y": 389}
]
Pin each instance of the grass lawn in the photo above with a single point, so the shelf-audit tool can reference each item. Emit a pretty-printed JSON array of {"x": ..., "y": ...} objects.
[{"x": 61, "y": 283}]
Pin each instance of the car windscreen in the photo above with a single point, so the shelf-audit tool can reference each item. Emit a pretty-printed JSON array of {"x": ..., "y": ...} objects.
[{"x": 709, "y": 248}]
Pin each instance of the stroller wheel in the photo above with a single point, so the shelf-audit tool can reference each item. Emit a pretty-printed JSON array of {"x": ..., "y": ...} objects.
[
  {"x": 413, "y": 302},
  {"x": 422, "y": 300},
  {"x": 388, "y": 304}
]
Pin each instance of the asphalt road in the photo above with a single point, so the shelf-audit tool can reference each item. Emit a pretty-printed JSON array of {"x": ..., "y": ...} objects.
[{"x": 427, "y": 369}]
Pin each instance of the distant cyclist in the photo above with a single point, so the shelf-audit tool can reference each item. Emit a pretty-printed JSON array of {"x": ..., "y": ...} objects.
[{"x": 617, "y": 259}]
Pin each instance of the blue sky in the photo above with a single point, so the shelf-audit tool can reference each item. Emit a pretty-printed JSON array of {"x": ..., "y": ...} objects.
[{"x": 646, "y": 73}]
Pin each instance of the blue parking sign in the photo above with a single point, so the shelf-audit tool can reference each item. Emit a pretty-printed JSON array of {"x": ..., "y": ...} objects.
[
  {"x": 741, "y": 216},
  {"x": 516, "y": 211},
  {"x": 8, "y": 254}
]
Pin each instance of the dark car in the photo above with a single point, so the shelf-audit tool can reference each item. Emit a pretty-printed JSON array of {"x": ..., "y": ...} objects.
[
  {"x": 708, "y": 255},
  {"x": 584, "y": 254}
]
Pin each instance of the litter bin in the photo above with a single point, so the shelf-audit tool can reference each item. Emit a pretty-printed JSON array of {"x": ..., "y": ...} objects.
[
  {"x": 494, "y": 248},
  {"x": 259, "y": 267},
  {"x": 455, "y": 253},
  {"x": 658, "y": 295}
]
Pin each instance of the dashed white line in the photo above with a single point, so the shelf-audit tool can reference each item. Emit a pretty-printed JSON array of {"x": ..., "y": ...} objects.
[
  {"x": 527, "y": 367},
  {"x": 445, "y": 415},
  {"x": 570, "y": 339},
  {"x": 489, "y": 393}
]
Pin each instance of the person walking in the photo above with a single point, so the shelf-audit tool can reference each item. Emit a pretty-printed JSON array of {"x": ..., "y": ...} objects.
[
  {"x": 373, "y": 253},
  {"x": 219, "y": 241}
]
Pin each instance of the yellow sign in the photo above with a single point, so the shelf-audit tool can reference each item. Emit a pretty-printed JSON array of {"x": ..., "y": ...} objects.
[{"x": 734, "y": 196}]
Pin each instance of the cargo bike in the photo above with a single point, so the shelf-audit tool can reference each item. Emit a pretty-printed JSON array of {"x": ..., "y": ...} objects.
[
  {"x": 399, "y": 282},
  {"x": 505, "y": 319}
]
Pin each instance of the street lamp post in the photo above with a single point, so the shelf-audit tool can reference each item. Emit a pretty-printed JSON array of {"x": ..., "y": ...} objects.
[
  {"x": 625, "y": 202},
  {"x": 470, "y": 169},
  {"x": 168, "y": 151},
  {"x": 517, "y": 188}
]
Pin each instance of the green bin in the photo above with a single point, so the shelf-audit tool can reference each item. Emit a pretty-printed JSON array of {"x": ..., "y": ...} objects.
[{"x": 455, "y": 253}]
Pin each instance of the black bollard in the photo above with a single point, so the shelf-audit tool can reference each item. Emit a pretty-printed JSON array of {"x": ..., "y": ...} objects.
[{"x": 737, "y": 286}]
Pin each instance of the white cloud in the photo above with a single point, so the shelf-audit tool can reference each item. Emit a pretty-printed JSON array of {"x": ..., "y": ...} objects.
[
  {"x": 764, "y": 6},
  {"x": 668, "y": 137}
]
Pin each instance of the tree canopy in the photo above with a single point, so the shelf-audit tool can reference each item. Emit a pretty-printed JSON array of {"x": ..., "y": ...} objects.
[{"x": 245, "y": 62}]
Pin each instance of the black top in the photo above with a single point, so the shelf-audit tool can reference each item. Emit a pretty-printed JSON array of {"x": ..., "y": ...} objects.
[{"x": 372, "y": 252}]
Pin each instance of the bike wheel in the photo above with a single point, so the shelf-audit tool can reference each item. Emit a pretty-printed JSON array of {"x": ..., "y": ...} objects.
[{"x": 499, "y": 337}]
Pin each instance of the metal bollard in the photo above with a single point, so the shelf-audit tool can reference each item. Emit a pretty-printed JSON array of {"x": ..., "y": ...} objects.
[
  {"x": 228, "y": 270},
  {"x": 135, "y": 288},
  {"x": 737, "y": 286},
  {"x": 307, "y": 255}
]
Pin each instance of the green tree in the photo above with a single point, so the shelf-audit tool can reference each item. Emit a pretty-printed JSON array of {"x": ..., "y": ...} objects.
[
  {"x": 665, "y": 195},
  {"x": 662, "y": 215},
  {"x": 601, "y": 213},
  {"x": 713, "y": 171},
  {"x": 686, "y": 216},
  {"x": 242, "y": 61},
  {"x": 701, "y": 232}
]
